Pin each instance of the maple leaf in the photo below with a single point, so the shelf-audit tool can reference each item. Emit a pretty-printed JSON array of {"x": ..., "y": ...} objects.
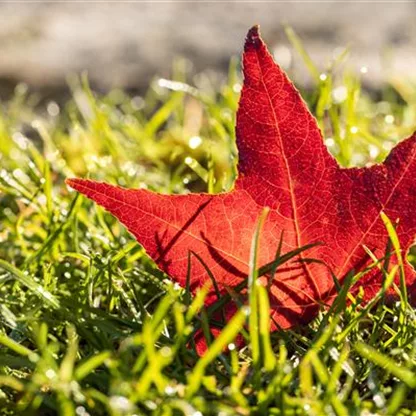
[{"x": 284, "y": 165}]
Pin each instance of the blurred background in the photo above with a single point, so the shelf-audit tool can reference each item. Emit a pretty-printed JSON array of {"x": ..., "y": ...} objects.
[{"x": 126, "y": 44}]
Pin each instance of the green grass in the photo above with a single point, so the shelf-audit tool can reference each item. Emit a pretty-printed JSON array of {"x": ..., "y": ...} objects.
[{"x": 88, "y": 325}]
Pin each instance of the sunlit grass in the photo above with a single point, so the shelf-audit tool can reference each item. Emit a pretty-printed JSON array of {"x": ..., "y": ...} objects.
[{"x": 88, "y": 325}]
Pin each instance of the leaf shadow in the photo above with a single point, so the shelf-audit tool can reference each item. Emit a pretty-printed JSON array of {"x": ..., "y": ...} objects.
[{"x": 163, "y": 249}]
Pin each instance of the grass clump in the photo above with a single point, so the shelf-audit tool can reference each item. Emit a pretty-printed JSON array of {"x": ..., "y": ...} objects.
[{"x": 89, "y": 325}]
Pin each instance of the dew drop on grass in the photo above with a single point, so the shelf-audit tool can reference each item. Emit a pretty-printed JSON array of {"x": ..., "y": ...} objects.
[
  {"x": 53, "y": 109},
  {"x": 188, "y": 160},
  {"x": 166, "y": 352},
  {"x": 81, "y": 411},
  {"x": 36, "y": 124},
  {"x": 50, "y": 374},
  {"x": 194, "y": 142},
  {"x": 330, "y": 142},
  {"x": 20, "y": 140},
  {"x": 334, "y": 353},
  {"x": 150, "y": 405},
  {"x": 121, "y": 404},
  {"x": 132, "y": 172},
  {"x": 246, "y": 310},
  {"x": 237, "y": 87},
  {"x": 340, "y": 94},
  {"x": 374, "y": 151},
  {"x": 348, "y": 369},
  {"x": 379, "y": 400},
  {"x": 170, "y": 390},
  {"x": 45, "y": 293},
  {"x": 389, "y": 119},
  {"x": 370, "y": 382},
  {"x": 226, "y": 114},
  {"x": 387, "y": 146},
  {"x": 33, "y": 357},
  {"x": 19, "y": 174}
]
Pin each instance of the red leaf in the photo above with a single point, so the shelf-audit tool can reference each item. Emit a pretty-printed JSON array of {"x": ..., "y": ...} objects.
[{"x": 283, "y": 164}]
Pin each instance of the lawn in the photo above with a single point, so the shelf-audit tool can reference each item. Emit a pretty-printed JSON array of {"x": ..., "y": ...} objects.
[{"x": 89, "y": 325}]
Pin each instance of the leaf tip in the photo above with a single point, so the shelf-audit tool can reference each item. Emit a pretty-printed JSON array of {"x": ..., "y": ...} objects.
[
  {"x": 70, "y": 181},
  {"x": 76, "y": 183},
  {"x": 253, "y": 38}
]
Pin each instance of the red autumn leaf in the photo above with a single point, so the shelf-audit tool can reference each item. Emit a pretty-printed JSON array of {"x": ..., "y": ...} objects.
[{"x": 284, "y": 165}]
